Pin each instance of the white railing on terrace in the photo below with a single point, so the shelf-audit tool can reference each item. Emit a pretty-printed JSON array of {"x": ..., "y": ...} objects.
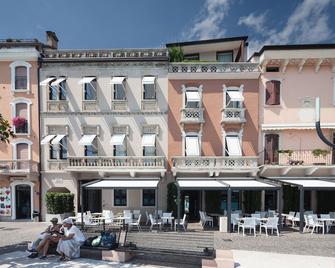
[
  {"x": 22, "y": 166},
  {"x": 304, "y": 158},
  {"x": 213, "y": 67},
  {"x": 106, "y": 162},
  {"x": 233, "y": 114},
  {"x": 192, "y": 115},
  {"x": 214, "y": 162}
]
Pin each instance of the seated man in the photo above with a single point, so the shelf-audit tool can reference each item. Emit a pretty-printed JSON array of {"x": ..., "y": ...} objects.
[
  {"x": 41, "y": 244},
  {"x": 69, "y": 243}
]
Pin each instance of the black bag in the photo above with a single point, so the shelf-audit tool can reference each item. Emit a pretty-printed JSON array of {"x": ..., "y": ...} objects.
[
  {"x": 88, "y": 241},
  {"x": 108, "y": 240}
]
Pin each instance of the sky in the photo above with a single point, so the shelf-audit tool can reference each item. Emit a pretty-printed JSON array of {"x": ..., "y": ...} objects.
[{"x": 98, "y": 24}]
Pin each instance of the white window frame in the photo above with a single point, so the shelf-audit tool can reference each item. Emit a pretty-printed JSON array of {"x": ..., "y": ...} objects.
[
  {"x": 12, "y": 66},
  {"x": 15, "y": 142},
  {"x": 231, "y": 88},
  {"x": 231, "y": 133},
  {"x": 127, "y": 198},
  {"x": 185, "y": 134},
  {"x": 95, "y": 88},
  {"x": 28, "y": 102},
  {"x": 155, "y": 89},
  {"x": 13, "y": 192},
  {"x": 198, "y": 89},
  {"x": 280, "y": 90}
]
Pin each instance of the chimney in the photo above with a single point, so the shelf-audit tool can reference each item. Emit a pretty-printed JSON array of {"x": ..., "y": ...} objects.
[{"x": 52, "y": 39}]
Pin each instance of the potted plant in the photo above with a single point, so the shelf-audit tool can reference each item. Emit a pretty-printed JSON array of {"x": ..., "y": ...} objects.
[
  {"x": 20, "y": 124},
  {"x": 59, "y": 205},
  {"x": 317, "y": 153}
]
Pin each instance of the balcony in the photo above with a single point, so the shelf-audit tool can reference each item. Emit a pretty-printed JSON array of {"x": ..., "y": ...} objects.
[
  {"x": 57, "y": 106},
  {"x": 18, "y": 167},
  {"x": 117, "y": 164},
  {"x": 233, "y": 115},
  {"x": 192, "y": 115},
  {"x": 214, "y": 165}
]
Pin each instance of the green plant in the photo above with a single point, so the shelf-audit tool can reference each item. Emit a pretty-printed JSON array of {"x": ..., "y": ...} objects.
[
  {"x": 289, "y": 152},
  {"x": 172, "y": 198},
  {"x": 5, "y": 130},
  {"x": 320, "y": 152},
  {"x": 59, "y": 203},
  {"x": 176, "y": 54}
]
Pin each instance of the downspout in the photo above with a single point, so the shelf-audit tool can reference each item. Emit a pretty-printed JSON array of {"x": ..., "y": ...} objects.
[{"x": 39, "y": 136}]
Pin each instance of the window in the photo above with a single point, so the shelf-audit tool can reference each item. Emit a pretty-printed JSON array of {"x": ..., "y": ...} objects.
[
  {"x": 92, "y": 150},
  {"x": 90, "y": 90},
  {"x": 120, "y": 150},
  {"x": 149, "y": 92},
  {"x": 272, "y": 92},
  {"x": 20, "y": 121},
  {"x": 149, "y": 150},
  {"x": 120, "y": 197},
  {"x": 272, "y": 69},
  {"x": 63, "y": 148},
  {"x": 271, "y": 146},
  {"x": 234, "y": 99},
  {"x": 233, "y": 145},
  {"x": 226, "y": 56},
  {"x": 191, "y": 57},
  {"x": 148, "y": 197},
  {"x": 192, "y": 99},
  {"x": 21, "y": 79},
  {"x": 119, "y": 92},
  {"x": 192, "y": 145},
  {"x": 52, "y": 92},
  {"x": 62, "y": 90},
  {"x": 22, "y": 154},
  {"x": 53, "y": 152}
]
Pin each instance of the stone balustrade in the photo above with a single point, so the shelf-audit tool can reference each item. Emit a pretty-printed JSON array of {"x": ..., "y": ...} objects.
[
  {"x": 192, "y": 115},
  {"x": 18, "y": 166},
  {"x": 210, "y": 67},
  {"x": 233, "y": 115}
]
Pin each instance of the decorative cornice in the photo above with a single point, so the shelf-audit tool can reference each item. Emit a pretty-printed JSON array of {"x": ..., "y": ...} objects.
[{"x": 125, "y": 113}]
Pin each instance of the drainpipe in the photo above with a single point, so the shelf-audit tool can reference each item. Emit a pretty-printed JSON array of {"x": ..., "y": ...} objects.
[{"x": 39, "y": 137}]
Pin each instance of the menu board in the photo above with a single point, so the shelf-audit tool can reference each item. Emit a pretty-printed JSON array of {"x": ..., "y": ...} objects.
[{"x": 5, "y": 201}]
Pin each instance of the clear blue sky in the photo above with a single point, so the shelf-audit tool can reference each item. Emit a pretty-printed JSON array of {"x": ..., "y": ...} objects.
[{"x": 152, "y": 23}]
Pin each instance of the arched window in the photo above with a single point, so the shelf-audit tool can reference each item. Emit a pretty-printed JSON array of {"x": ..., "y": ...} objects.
[
  {"x": 20, "y": 76},
  {"x": 21, "y": 115},
  {"x": 21, "y": 153}
]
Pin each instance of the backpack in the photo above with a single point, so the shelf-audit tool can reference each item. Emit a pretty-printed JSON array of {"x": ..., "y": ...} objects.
[
  {"x": 108, "y": 240},
  {"x": 88, "y": 241},
  {"x": 96, "y": 242}
]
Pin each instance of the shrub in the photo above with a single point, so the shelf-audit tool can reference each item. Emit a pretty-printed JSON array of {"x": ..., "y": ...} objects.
[
  {"x": 176, "y": 54},
  {"x": 172, "y": 198},
  {"x": 59, "y": 203}
]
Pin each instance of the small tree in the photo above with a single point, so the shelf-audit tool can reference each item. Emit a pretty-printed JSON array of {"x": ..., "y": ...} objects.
[
  {"x": 5, "y": 130},
  {"x": 176, "y": 54},
  {"x": 59, "y": 203},
  {"x": 172, "y": 198}
]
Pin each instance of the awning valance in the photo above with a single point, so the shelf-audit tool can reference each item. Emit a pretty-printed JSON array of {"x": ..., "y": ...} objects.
[
  {"x": 148, "y": 140},
  {"x": 57, "y": 140},
  {"x": 125, "y": 184},
  {"x": 47, "y": 139},
  {"x": 118, "y": 139},
  {"x": 148, "y": 80},
  {"x": 87, "y": 139},
  {"x": 47, "y": 81},
  {"x": 118, "y": 80},
  {"x": 86, "y": 80},
  {"x": 192, "y": 146},
  {"x": 192, "y": 96},
  {"x": 248, "y": 184},
  {"x": 310, "y": 183},
  {"x": 58, "y": 81},
  {"x": 234, "y": 146},
  {"x": 201, "y": 184},
  {"x": 235, "y": 96}
]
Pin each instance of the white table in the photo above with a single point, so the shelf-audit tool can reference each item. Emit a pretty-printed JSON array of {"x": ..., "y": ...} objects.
[
  {"x": 168, "y": 218},
  {"x": 324, "y": 221}
]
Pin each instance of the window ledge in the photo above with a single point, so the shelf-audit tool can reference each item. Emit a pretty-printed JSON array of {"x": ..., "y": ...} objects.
[
  {"x": 20, "y": 90},
  {"x": 273, "y": 106}
]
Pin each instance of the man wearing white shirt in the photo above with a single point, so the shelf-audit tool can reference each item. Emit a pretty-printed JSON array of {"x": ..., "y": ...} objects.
[{"x": 69, "y": 243}]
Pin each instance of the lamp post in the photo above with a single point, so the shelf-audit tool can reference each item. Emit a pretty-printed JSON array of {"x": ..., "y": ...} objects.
[{"x": 318, "y": 124}]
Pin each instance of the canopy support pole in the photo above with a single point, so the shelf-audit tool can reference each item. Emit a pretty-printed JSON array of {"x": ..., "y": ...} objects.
[
  {"x": 229, "y": 210},
  {"x": 156, "y": 197},
  {"x": 301, "y": 209},
  {"x": 81, "y": 205},
  {"x": 280, "y": 206},
  {"x": 178, "y": 207}
]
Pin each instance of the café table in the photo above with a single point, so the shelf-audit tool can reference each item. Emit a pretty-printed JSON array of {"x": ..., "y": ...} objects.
[
  {"x": 168, "y": 218},
  {"x": 324, "y": 221}
]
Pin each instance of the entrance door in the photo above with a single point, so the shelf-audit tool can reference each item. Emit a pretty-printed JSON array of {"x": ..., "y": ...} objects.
[
  {"x": 23, "y": 201},
  {"x": 191, "y": 204},
  {"x": 91, "y": 199}
]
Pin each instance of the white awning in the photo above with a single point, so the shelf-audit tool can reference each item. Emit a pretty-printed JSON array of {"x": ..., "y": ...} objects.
[
  {"x": 247, "y": 183},
  {"x": 57, "y": 140},
  {"x": 47, "y": 139},
  {"x": 58, "y": 81},
  {"x": 308, "y": 183},
  {"x": 118, "y": 80},
  {"x": 192, "y": 96},
  {"x": 148, "y": 80},
  {"x": 202, "y": 184},
  {"x": 192, "y": 146},
  {"x": 47, "y": 81},
  {"x": 125, "y": 183},
  {"x": 86, "y": 80},
  {"x": 87, "y": 139},
  {"x": 118, "y": 139},
  {"x": 300, "y": 126},
  {"x": 235, "y": 96},
  {"x": 149, "y": 140},
  {"x": 234, "y": 146}
]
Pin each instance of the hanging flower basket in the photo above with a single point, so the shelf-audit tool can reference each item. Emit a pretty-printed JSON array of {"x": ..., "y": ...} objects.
[{"x": 19, "y": 121}]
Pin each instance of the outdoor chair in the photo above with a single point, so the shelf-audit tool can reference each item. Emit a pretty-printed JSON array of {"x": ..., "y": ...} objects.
[
  {"x": 308, "y": 212},
  {"x": 147, "y": 217},
  {"x": 272, "y": 224},
  {"x": 290, "y": 217},
  {"x": 271, "y": 213},
  {"x": 314, "y": 224},
  {"x": 90, "y": 222},
  {"x": 154, "y": 223},
  {"x": 296, "y": 219},
  {"x": 137, "y": 223},
  {"x": 307, "y": 226},
  {"x": 263, "y": 214},
  {"x": 328, "y": 223},
  {"x": 182, "y": 223},
  {"x": 234, "y": 220},
  {"x": 239, "y": 212},
  {"x": 128, "y": 218},
  {"x": 248, "y": 223},
  {"x": 136, "y": 213},
  {"x": 166, "y": 221},
  {"x": 205, "y": 219},
  {"x": 257, "y": 218},
  {"x": 127, "y": 211},
  {"x": 109, "y": 216}
]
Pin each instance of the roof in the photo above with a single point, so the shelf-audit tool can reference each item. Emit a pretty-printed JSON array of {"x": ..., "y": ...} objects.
[{"x": 208, "y": 41}]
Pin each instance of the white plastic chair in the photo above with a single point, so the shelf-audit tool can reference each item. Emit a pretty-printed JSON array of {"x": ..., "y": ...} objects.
[
  {"x": 257, "y": 218},
  {"x": 290, "y": 217},
  {"x": 296, "y": 219},
  {"x": 271, "y": 213},
  {"x": 315, "y": 224},
  {"x": 137, "y": 224},
  {"x": 234, "y": 220},
  {"x": 248, "y": 223},
  {"x": 263, "y": 214},
  {"x": 166, "y": 221},
  {"x": 272, "y": 224},
  {"x": 128, "y": 217},
  {"x": 154, "y": 222},
  {"x": 328, "y": 223},
  {"x": 109, "y": 216},
  {"x": 147, "y": 217},
  {"x": 182, "y": 223},
  {"x": 136, "y": 213},
  {"x": 206, "y": 219}
]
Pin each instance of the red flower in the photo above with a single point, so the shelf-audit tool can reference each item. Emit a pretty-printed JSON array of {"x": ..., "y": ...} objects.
[{"x": 19, "y": 121}]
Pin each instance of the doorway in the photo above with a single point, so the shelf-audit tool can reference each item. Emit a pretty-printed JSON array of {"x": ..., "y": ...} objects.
[
  {"x": 23, "y": 201},
  {"x": 191, "y": 204},
  {"x": 92, "y": 200}
]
